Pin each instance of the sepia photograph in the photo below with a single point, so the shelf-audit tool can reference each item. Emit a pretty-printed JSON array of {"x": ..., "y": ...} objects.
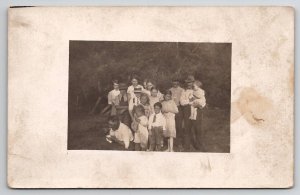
[{"x": 149, "y": 96}]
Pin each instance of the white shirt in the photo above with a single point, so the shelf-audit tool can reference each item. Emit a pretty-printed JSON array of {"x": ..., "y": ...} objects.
[
  {"x": 112, "y": 95},
  {"x": 185, "y": 97},
  {"x": 159, "y": 122},
  {"x": 123, "y": 133}
]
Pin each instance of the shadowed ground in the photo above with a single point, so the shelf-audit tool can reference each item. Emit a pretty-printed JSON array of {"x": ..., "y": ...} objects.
[{"x": 87, "y": 132}]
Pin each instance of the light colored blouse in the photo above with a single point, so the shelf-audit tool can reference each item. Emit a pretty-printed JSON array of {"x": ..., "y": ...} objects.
[
  {"x": 112, "y": 95},
  {"x": 169, "y": 106}
]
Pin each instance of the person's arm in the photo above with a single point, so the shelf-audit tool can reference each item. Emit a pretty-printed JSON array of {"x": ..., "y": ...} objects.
[
  {"x": 175, "y": 108},
  {"x": 150, "y": 122},
  {"x": 130, "y": 108},
  {"x": 113, "y": 138},
  {"x": 109, "y": 98},
  {"x": 163, "y": 123}
]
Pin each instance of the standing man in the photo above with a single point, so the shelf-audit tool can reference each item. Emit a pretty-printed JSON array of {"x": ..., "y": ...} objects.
[
  {"x": 186, "y": 110},
  {"x": 111, "y": 97},
  {"x": 176, "y": 95},
  {"x": 121, "y": 103}
]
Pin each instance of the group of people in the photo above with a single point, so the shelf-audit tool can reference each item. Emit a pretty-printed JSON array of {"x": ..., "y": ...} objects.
[{"x": 142, "y": 117}]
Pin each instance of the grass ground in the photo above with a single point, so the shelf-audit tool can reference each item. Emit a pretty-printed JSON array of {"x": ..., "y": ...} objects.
[{"x": 87, "y": 132}]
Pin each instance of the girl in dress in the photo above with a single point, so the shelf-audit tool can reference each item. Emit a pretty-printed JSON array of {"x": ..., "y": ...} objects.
[
  {"x": 169, "y": 109},
  {"x": 139, "y": 126}
]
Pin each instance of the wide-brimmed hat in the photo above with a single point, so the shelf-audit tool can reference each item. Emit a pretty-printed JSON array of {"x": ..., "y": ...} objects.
[
  {"x": 190, "y": 79},
  {"x": 137, "y": 90},
  {"x": 122, "y": 86}
]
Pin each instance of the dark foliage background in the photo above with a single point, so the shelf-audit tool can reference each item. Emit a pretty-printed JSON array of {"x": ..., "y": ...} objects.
[{"x": 94, "y": 64}]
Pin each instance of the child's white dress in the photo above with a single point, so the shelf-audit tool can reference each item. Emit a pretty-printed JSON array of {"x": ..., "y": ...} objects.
[
  {"x": 169, "y": 108},
  {"x": 141, "y": 135}
]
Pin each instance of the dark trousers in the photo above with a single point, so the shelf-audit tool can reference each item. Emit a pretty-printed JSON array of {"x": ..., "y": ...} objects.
[
  {"x": 156, "y": 138},
  {"x": 193, "y": 131},
  {"x": 178, "y": 123}
]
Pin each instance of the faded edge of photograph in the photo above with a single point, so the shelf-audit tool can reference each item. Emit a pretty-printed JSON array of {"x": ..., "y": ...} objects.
[{"x": 149, "y": 96}]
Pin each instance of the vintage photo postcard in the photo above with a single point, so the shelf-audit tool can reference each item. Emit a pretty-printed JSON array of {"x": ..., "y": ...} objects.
[{"x": 151, "y": 97}]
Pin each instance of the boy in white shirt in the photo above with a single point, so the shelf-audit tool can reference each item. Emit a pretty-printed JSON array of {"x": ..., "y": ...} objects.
[
  {"x": 112, "y": 96},
  {"x": 156, "y": 126}
]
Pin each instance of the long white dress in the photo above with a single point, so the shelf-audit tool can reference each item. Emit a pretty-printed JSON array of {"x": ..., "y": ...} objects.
[{"x": 169, "y": 108}]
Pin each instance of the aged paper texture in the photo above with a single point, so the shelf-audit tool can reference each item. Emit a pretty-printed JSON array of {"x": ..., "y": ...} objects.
[{"x": 262, "y": 98}]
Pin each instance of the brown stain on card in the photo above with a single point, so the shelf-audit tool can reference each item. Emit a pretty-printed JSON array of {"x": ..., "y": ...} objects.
[
  {"x": 18, "y": 22},
  {"x": 251, "y": 105}
]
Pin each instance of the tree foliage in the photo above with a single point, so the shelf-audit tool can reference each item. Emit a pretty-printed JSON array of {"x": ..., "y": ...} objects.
[{"x": 94, "y": 64}]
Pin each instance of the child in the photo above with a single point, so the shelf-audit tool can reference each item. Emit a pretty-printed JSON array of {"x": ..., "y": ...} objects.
[
  {"x": 112, "y": 96},
  {"x": 169, "y": 109},
  {"x": 157, "y": 124},
  {"x": 139, "y": 126},
  {"x": 197, "y": 99}
]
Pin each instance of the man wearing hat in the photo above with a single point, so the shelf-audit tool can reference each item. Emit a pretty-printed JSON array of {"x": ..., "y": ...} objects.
[
  {"x": 186, "y": 109},
  {"x": 121, "y": 103}
]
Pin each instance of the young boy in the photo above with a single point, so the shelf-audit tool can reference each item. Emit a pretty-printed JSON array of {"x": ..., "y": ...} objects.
[
  {"x": 197, "y": 99},
  {"x": 157, "y": 124},
  {"x": 112, "y": 96}
]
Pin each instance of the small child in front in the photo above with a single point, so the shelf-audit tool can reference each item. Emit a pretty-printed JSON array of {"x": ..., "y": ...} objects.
[
  {"x": 157, "y": 124},
  {"x": 139, "y": 126},
  {"x": 197, "y": 99}
]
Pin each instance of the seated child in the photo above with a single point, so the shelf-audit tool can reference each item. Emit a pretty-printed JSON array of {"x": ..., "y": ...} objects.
[
  {"x": 157, "y": 124},
  {"x": 197, "y": 99}
]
